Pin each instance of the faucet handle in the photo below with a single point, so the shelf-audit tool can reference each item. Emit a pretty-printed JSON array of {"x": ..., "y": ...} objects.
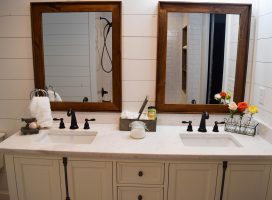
[
  {"x": 190, "y": 127},
  {"x": 215, "y": 128},
  {"x": 86, "y": 125},
  {"x": 61, "y": 125}
]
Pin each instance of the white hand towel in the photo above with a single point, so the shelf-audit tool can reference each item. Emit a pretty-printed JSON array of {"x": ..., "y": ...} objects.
[
  {"x": 129, "y": 115},
  {"x": 40, "y": 109},
  {"x": 54, "y": 96}
]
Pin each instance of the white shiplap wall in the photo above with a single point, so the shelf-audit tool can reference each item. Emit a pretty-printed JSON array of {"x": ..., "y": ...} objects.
[
  {"x": 139, "y": 44},
  {"x": 262, "y": 82}
]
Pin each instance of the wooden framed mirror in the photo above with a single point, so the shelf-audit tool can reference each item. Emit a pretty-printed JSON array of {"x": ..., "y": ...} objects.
[
  {"x": 202, "y": 50},
  {"x": 77, "y": 54}
]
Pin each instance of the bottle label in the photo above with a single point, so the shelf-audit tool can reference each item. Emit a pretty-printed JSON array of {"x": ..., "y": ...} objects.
[{"x": 152, "y": 114}]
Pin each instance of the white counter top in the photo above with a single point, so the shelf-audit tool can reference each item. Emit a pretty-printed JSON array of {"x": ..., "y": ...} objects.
[{"x": 110, "y": 143}]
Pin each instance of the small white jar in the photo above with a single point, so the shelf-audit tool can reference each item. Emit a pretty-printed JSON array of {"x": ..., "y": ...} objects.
[{"x": 137, "y": 129}]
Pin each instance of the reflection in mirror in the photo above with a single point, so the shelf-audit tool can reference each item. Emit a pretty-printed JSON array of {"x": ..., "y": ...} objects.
[
  {"x": 78, "y": 56},
  {"x": 201, "y": 56}
]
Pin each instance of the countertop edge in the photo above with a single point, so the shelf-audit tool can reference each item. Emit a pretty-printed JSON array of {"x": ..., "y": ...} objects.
[{"x": 138, "y": 156}]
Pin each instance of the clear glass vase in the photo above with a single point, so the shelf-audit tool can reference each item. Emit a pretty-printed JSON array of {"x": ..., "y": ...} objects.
[
  {"x": 230, "y": 124},
  {"x": 241, "y": 125},
  {"x": 250, "y": 127}
]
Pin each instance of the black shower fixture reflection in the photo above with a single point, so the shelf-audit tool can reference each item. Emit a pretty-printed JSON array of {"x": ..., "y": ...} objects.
[{"x": 106, "y": 31}]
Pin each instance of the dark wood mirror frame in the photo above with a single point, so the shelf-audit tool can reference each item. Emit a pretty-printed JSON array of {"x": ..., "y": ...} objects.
[
  {"x": 38, "y": 59},
  {"x": 244, "y": 10}
]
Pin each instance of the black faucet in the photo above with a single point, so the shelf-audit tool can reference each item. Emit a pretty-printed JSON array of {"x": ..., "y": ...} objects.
[
  {"x": 202, "y": 126},
  {"x": 72, "y": 113}
]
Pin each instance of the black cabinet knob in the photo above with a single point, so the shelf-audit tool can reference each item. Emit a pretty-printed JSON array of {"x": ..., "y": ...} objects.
[
  {"x": 140, "y": 173},
  {"x": 140, "y": 197}
]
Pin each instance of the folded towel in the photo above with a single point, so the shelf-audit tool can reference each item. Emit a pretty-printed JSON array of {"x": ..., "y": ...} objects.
[
  {"x": 40, "y": 109},
  {"x": 129, "y": 115},
  {"x": 132, "y": 115},
  {"x": 53, "y": 96}
]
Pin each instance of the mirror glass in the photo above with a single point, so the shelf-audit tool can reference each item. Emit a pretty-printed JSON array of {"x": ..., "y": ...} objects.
[
  {"x": 200, "y": 57},
  {"x": 78, "y": 56}
]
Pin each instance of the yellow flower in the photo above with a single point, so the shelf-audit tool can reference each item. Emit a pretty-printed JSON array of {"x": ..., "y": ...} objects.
[
  {"x": 228, "y": 96},
  {"x": 253, "y": 109}
]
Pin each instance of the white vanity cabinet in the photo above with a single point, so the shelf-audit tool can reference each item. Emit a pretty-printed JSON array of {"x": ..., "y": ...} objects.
[
  {"x": 195, "y": 181},
  {"x": 37, "y": 179},
  {"x": 246, "y": 181},
  {"x": 43, "y": 178},
  {"x": 200, "y": 181},
  {"x": 88, "y": 180}
]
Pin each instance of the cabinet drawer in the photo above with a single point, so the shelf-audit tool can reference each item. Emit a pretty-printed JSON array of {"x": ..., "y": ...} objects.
[
  {"x": 140, "y": 173},
  {"x": 138, "y": 193}
]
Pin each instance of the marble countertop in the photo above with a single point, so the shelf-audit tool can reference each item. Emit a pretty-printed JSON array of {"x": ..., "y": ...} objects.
[{"x": 165, "y": 144}]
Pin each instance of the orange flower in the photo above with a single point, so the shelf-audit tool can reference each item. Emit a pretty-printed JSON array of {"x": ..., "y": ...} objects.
[
  {"x": 223, "y": 95},
  {"x": 242, "y": 106}
]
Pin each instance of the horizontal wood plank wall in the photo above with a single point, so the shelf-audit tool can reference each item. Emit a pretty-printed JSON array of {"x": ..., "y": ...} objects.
[{"x": 16, "y": 69}]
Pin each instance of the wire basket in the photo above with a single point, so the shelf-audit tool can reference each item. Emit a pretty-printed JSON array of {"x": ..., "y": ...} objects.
[{"x": 244, "y": 127}]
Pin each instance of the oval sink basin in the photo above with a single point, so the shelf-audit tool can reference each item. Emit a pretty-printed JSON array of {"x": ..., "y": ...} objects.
[
  {"x": 69, "y": 137},
  {"x": 209, "y": 140}
]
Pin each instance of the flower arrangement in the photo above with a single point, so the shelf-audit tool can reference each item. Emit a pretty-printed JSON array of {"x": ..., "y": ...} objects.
[
  {"x": 223, "y": 97},
  {"x": 244, "y": 125},
  {"x": 241, "y": 108}
]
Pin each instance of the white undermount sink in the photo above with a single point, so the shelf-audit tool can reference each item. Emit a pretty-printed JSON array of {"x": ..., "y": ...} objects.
[
  {"x": 68, "y": 137},
  {"x": 209, "y": 140}
]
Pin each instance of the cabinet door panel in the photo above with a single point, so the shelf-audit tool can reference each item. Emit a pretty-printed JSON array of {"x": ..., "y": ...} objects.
[
  {"x": 269, "y": 193},
  {"x": 89, "y": 180},
  {"x": 246, "y": 182},
  {"x": 37, "y": 179},
  {"x": 152, "y": 173},
  {"x": 192, "y": 181},
  {"x": 130, "y": 193}
]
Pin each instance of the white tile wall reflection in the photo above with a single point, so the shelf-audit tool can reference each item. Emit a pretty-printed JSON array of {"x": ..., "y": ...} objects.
[{"x": 262, "y": 82}]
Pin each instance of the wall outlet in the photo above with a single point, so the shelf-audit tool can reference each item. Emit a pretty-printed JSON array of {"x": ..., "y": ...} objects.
[{"x": 261, "y": 96}]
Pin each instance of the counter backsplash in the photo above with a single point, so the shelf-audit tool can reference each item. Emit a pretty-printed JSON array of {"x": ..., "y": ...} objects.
[{"x": 163, "y": 119}]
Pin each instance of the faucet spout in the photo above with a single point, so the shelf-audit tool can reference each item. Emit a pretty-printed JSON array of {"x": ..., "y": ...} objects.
[
  {"x": 72, "y": 113},
  {"x": 202, "y": 126}
]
